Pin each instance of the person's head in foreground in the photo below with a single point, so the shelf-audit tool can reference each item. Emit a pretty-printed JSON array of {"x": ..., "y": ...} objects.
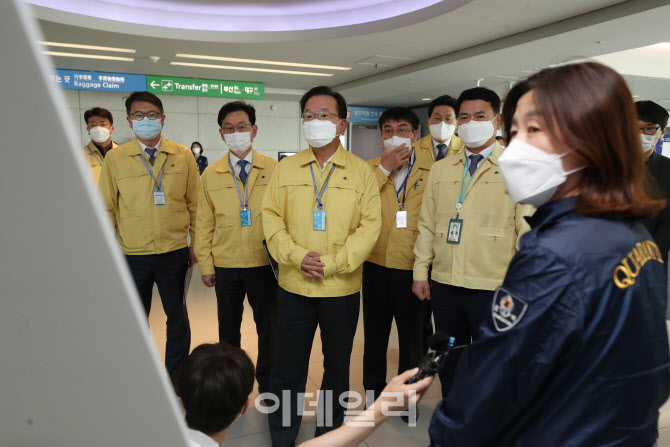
[
  {"x": 214, "y": 385},
  {"x": 590, "y": 149}
]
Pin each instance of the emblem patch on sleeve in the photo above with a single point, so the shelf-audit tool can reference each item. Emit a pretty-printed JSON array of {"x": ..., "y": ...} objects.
[{"x": 507, "y": 309}]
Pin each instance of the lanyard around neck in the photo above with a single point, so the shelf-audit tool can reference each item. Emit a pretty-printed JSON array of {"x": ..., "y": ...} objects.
[
  {"x": 93, "y": 153},
  {"x": 403, "y": 187},
  {"x": 158, "y": 185},
  {"x": 323, "y": 189},
  {"x": 462, "y": 194},
  {"x": 244, "y": 204}
]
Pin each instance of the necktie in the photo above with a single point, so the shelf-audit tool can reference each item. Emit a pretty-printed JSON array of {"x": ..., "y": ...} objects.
[
  {"x": 441, "y": 152},
  {"x": 243, "y": 171},
  {"x": 152, "y": 154},
  {"x": 474, "y": 161}
]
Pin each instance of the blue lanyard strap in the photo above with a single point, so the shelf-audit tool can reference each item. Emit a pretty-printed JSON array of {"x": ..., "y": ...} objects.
[
  {"x": 158, "y": 185},
  {"x": 244, "y": 204},
  {"x": 461, "y": 194},
  {"x": 318, "y": 196},
  {"x": 93, "y": 153},
  {"x": 403, "y": 187}
]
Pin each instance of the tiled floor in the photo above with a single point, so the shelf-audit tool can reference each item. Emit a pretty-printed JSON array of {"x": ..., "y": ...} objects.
[{"x": 251, "y": 430}]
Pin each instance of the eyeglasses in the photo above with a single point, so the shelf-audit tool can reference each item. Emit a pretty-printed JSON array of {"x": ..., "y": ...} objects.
[
  {"x": 239, "y": 128},
  {"x": 151, "y": 115},
  {"x": 321, "y": 116},
  {"x": 651, "y": 130},
  {"x": 403, "y": 132}
]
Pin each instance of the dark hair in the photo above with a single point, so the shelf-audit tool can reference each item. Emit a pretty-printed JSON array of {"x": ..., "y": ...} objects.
[
  {"x": 237, "y": 106},
  {"x": 399, "y": 114},
  {"x": 198, "y": 143},
  {"x": 651, "y": 112},
  {"x": 444, "y": 100},
  {"x": 144, "y": 97},
  {"x": 482, "y": 93},
  {"x": 500, "y": 138},
  {"x": 214, "y": 383},
  {"x": 588, "y": 109},
  {"x": 327, "y": 91},
  {"x": 98, "y": 111}
]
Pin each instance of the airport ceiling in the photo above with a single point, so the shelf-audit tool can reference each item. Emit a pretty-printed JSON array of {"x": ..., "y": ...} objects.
[{"x": 398, "y": 52}]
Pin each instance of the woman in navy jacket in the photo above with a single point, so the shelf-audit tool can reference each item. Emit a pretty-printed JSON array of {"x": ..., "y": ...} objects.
[
  {"x": 575, "y": 351},
  {"x": 196, "y": 148}
]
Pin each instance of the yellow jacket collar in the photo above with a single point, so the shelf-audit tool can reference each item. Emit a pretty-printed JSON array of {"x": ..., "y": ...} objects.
[
  {"x": 497, "y": 152},
  {"x": 422, "y": 159},
  {"x": 307, "y": 156},
  {"x": 136, "y": 149},
  {"x": 256, "y": 161}
]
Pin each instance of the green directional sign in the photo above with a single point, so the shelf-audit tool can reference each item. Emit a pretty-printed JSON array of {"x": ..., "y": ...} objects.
[{"x": 168, "y": 85}]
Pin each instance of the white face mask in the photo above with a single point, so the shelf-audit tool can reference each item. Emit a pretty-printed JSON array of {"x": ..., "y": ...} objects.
[
  {"x": 196, "y": 150},
  {"x": 396, "y": 141},
  {"x": 319, "y": 133},
  {"x": 475, "y": 133},
  {"x": 99, "y": 134},
  {"x": 238, "y": 142},
  {"x": 531, "y": 175},
  {"x": 648, "y": 142},
  {"x": 442, "y": 131}
]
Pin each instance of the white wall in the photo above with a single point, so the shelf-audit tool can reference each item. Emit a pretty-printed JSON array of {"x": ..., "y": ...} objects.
[{"x": 191, "y": 118}]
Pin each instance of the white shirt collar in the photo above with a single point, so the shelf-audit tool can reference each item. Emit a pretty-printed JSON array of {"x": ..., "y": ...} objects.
[
  {"x": 200, "y": 439},
  {"x": 435, "y": 143},
  {"x": 484, "y": 153},
  {"x": 144, "y": 146},
  {"x": 328, "y": 161},
  {"x": 249, "y": 158}
]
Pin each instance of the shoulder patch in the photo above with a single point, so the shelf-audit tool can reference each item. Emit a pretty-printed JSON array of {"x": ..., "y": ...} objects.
[{"x": 507, "y": 309}]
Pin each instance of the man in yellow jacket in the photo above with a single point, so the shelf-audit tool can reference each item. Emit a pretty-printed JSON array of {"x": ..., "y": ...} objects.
[
  {"x": 100, "y": 126},
  {"x": 229, "y": 235},
  {"x": 402, "y": 174},
  {"x": 321, "y": 218},
  {"x": 469, "y": 228},
  {"x": 150, "y": 189},
  {"x": 441, "y": 141}
]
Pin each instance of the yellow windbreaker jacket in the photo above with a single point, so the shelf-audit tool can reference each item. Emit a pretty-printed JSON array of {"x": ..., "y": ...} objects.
[{"x": 353, "y": 220}]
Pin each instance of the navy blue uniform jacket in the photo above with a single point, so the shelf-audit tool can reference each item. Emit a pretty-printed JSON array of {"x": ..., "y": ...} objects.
[{"x": 575, "y": 352}]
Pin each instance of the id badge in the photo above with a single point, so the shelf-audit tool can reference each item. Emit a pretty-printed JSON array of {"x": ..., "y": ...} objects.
[
  {"x": 159, "y": 197},
  {"x": 319, "y": 220},
  {"x": 401, "y": 219},
  {"x": 455, "y": 229},
  {"x": 245, "y": 218}
]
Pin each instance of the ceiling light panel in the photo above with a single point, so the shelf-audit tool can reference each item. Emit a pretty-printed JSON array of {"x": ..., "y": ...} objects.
[
  {"x": 87, "y": 47},
  {"x": 89, "y": 56},
  {"x": 258, "y": 61},
  {"x": 264, "y": 70}
]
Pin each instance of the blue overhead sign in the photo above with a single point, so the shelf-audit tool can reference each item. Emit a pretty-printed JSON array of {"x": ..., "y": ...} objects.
[
  {"x": 97, "y": 81},
  {"x": 364, "y": 115}
]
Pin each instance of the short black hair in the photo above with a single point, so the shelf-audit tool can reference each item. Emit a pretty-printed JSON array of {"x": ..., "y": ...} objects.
[
  {"x": 214, "y": 383},
  {"x": 98, "y": 111},
  {"x": 444, "y": 100},
  {"x": 651, "y": 112},
  {"x": 198, "y": 143},
  {"x": 237, "y": 106},
  {"x": 500, "y": 138},
  {"x": 399, "y": 114},
  {"x": 482, "y": 93},
  {"x": 327, "y": 91},
  {"x": 144, "y": 97}
]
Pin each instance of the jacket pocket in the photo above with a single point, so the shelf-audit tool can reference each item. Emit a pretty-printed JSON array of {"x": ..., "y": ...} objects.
[{"x": 134, "y": 232}]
